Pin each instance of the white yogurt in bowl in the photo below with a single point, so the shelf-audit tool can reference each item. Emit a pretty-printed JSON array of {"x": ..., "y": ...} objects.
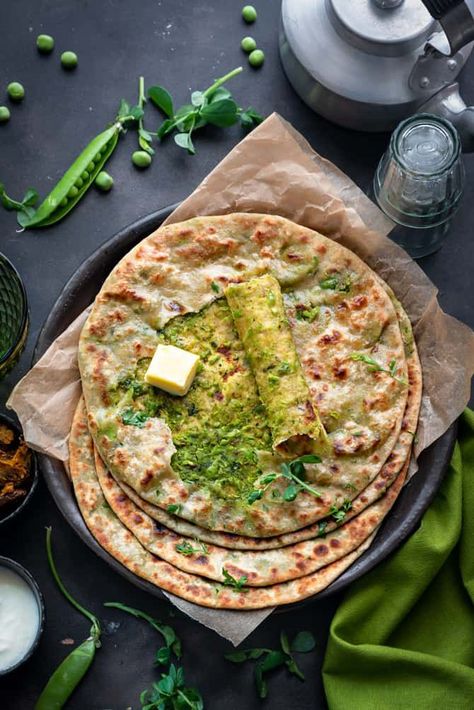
[{"x": 21, "y": 615}]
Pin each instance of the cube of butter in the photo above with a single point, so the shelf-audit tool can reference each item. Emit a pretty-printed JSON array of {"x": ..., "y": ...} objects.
[{"x": 172, "y": 369}]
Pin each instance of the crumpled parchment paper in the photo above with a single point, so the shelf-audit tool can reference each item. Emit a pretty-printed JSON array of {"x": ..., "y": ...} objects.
[{"x": 274, "y": 170}]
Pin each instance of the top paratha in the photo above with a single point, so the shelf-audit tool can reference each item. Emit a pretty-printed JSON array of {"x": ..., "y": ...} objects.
[{"x": 169, "y": 289}]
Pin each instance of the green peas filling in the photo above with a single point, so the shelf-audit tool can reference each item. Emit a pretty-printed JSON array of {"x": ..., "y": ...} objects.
[{"x": 220, "y": 424}]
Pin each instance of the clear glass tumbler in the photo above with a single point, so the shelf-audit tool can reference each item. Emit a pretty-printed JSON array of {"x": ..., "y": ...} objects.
[{"x": 419, "y": 182}]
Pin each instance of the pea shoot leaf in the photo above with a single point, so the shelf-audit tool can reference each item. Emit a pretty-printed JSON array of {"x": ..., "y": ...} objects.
[
  {"x": 254, "y": 495},
  {"x": 250, "y": 118},
  {"x": 170, "y": 693},
  {"x": 284, "y": 643},
  {"x": 219, "y": 94},
  {"x": 304, "y": 642},
  {"x": 221, "y": 113},
  {"x": 197, "y": 98},
  {"x": 144, "y": 140},
  {"x": 339, "y": 513},
  {"x": 269, "y": 659},
  {"x": 184, "y": 141},
  {"x": 24, "y": 206},
  {"x": 245, "y": 655},
  {"x": 290, "y": 493},
  {"x": 166, "y": 127},
  {"x": 162, "y": 99},
  {"x": 213, "y": 106}
]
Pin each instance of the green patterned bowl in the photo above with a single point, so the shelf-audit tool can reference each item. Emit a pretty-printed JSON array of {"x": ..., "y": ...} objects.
[{"x": 13, "y": 316}]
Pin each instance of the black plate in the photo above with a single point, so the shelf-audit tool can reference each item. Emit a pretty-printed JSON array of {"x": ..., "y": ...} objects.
[{"x": 80, "y": 291}]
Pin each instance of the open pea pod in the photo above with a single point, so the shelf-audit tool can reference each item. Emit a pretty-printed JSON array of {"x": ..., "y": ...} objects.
[{"x": 75, "y": 181}]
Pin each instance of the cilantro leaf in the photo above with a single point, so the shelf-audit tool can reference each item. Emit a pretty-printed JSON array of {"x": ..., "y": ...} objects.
[
  {"x": 135, "y": 418},
  {"x": 185, "y": 548},
  {"x": 230, "y": 581}
]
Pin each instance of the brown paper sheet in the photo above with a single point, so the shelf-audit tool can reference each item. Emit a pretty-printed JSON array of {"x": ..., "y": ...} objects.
[{"x": 274, "y": 170}]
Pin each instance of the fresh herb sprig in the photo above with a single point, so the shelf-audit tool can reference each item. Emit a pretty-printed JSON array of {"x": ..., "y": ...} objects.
[
  {"x": 173, "y": 644},
  {"x": 268, "y": 659},
  {"x": 375, "y": 366},
  {"x": 338, "y": 514},
  {"x": 294, "y": 472},
  {"x": 170, "y": 693},
  {"x": 185, "y": 548},
  {"x": 136, "y": 418},
  {"x": 213, "y": 106},
  {"x": 230, "y": 581},
  {"x": 26, "y": 205}
]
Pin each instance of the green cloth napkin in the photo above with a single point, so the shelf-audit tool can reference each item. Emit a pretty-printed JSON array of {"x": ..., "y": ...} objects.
[{"x": 404, "y": 635}]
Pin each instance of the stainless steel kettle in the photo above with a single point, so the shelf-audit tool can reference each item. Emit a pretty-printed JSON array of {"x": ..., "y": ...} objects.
[{"x": 367, "y": 64}]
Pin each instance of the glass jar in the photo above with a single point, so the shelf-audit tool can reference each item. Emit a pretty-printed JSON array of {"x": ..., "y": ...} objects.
[
  {"x": 13, "y": 316},
  {"x": 419, "y": 182}
]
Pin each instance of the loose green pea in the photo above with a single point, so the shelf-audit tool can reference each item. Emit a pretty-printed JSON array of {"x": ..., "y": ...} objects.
[
  {"x": 69, "y": 60},
  {"x": 73, "y": 192},
  {"x": 45, "y": 44},
  {"x": 256, "y": 58},
  {"x": 4, "y": 114},
  {"x": 104, "y": 181},
  {"x": 141, "y": 159},
  {"x": 249, "y": 13},
  {"x": 85, "y": 175},
  {"x": 248, "y": 44},
  {"x": 15, "y": 91}
]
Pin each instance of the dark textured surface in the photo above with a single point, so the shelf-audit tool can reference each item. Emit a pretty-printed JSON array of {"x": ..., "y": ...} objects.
[{"x": 182, "y": 45}]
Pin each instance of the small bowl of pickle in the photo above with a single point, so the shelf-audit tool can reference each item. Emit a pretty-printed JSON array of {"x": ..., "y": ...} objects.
[
  {"x": 13, "y": 316},
  {"x": 18, "y": 470}
]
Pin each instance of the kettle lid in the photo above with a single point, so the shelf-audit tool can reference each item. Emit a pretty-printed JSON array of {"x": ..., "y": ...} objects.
[{"x": 382, "y": 27}]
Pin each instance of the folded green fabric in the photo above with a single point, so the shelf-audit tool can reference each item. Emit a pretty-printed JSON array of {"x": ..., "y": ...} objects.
[{"x": 404, "y": 635}]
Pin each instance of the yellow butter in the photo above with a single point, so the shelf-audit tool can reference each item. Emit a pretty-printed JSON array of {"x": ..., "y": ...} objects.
[{"x": 172, "y": 369}]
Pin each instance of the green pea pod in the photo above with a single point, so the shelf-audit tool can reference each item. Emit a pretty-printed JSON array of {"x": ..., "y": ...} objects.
[
  {"x": 75, "y": 181},
  {"x": 66, "y": 677}
]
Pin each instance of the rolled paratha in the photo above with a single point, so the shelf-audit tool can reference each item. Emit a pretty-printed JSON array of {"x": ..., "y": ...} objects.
[
  {"x": 260, "y": 320},
  {"x": 121, "y": 544},
  {"x": 198, "y": 455}
]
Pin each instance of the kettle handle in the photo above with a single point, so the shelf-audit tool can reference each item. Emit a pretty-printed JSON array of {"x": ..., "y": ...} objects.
[
  {"x": 449, "y": 104},
  {"x": 455, "y": 18}
]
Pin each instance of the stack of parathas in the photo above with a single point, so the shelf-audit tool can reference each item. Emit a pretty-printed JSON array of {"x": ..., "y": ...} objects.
[{"x": 272, "y": 475}]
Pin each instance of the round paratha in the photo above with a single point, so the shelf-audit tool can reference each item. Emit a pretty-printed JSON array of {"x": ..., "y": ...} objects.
[
  {"x": 121, "y": 544},
  {"x": 175, "y": 451},
  {"x": 375, "y": 489}
]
